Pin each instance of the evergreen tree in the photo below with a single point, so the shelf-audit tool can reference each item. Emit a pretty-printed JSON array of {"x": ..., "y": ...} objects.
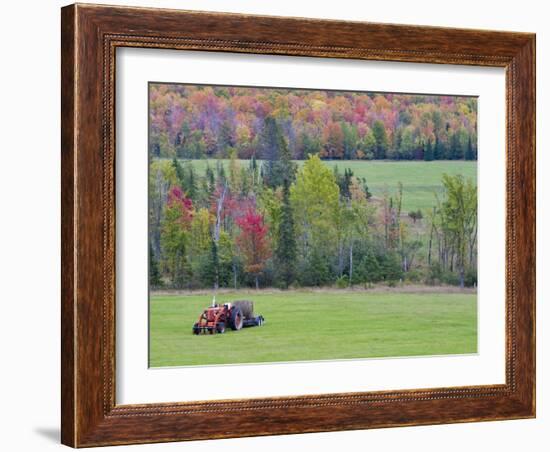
[
  {"x": 253, "y": 169},
  {"x": 315, "y": 270},
  {"x": 428, "y": 152},
  {"x": 186, "y": 178},
  {"x": 275, "y": 151},
  {"x": 348, "y": 175},
  {"x": 154, "y": 272},
  {"x": 439, "y": 149},
  {"x": 211, "y": 180},
  {"x": 344, "y": 181},
  {"x": 363, "y": 182},
  {"x": 470, "y": 155},
  {"x": 180, "y": 173},
  {"x": 286, "y": 241},
  {"x": 381, "y": 139},
  {"x": 190, "y": 182},
  {"x": 220, "y": 169},
  {"x": 456, "y": 150},
  {"x": 368, "y": 270},
  {"x": 269, "y": 149},
  {"x": 210, "y": 271},
  {"x": 391, "y": 267}
]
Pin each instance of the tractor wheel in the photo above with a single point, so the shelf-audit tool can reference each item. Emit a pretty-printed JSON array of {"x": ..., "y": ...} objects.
[
  {"x": 196, "y": 329},
  {"x": 236, "y": 319},
  {"x": 220, "y": 327}
]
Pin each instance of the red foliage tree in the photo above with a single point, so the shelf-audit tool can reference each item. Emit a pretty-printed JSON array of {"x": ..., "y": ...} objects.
[
  {"x": 181, "y": 204},
  {"x": 253, "y": 242}
]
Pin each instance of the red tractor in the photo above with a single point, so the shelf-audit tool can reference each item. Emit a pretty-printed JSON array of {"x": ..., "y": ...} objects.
[{"x": 236, "y": 315}]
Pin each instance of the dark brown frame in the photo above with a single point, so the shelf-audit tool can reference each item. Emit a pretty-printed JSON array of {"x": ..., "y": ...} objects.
[{"x": 90, "y": 34}]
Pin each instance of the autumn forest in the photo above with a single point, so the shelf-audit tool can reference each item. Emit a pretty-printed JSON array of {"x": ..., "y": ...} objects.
[{"x": 271, "y": 187}]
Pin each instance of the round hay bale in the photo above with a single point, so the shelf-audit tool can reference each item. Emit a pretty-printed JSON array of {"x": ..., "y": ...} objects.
[{"x": 246, "y": 307}]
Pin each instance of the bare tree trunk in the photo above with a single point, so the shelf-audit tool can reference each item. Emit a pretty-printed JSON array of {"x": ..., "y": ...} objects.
[
  {"x": 219, "y": 214},
  {"x": 257, "y": 282},
  {"x": 430, "y": 241},
  {"x": 340, "y": 258},
  {"x": 217, "y": 233},
  {"x": 472, "y": 245},
  {"x": 350, "y": 262}
]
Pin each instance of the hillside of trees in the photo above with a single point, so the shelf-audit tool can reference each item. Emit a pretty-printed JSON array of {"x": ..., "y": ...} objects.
[
  {"x": 272, "y": 224},
  {"x": 195, "y": 122}
]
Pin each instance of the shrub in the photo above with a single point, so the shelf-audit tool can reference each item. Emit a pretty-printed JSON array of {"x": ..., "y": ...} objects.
[
  {"x": 368, "y": 270},
  {"x": 415, "y": 275},
  {"x": 470, "y": 278},
  {"x": 391, "y": 267},
  {"x": 314, "y": 271},
  {"x": 451, "y": 278},
  {"x": 342, "y": 282}
]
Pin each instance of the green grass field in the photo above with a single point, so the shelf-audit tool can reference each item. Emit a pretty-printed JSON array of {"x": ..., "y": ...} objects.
[
  {"x": 315, "y": 325},
  {"x": 420, "y": 179}
]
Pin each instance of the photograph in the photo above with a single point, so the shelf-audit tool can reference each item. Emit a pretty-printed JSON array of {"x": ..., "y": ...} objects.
[
  {"x": 291, "y": 224},
  {"x": 269, "y": 223}
]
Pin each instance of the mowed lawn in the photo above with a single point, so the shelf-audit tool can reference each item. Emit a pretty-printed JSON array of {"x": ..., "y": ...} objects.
[
  {"x": 314, "y": 325},
  {"x": 420, "y": 179}
]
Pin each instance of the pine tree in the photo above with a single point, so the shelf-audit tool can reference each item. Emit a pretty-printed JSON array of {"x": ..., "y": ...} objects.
[
  {"x": 278, "y": 161},
  {"x": 469, "y": 150},
  {"x": 186, "y": 178},
  {"x": 269, "y": 149},
  {"x": 286, "y": 242},
  {"x": 369, "y": 269},
  {"x": 154, "y": 272},
  {"x": 439, "y": 149},
  {"x": 253, "y": 169},
  {"x": 180, "y": 173},
  {"x": 344, "y": 181},
  {"x": 363, "y": 181},
  {"x": 456, "y": 151},
  {"x": 428, "y": 152},
  {"x": 381, "y": 139},
  {"x": 210, "y": 271},
  {"x": 348, "y": 175},
  {"x": 220, "y": 169},
  {"x": 190, "y": 182},
  {"x": 211, "y": 180}
]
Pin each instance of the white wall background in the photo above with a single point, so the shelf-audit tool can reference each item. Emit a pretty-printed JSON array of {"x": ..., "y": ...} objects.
[{"x": 29, "y": 225}]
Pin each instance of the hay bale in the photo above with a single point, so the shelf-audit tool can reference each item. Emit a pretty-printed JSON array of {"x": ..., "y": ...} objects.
[{"x": 246, "y": 307}]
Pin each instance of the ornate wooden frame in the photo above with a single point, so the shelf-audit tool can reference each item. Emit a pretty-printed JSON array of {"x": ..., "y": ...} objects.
[{"x": 90, "y": 35}]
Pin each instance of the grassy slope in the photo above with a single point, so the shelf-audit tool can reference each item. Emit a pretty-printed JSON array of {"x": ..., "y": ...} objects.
[
  {"x": 313, "y": 325},
  {"x": 420, "y": 179}
]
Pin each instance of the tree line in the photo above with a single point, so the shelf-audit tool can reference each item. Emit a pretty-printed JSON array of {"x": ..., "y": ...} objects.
[
  {"x": 270, "y": 224},
  {"x": 195, "y": 122}
]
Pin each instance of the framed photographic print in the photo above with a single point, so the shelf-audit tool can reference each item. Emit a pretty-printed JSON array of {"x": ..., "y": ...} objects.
[{"x": 282, "y": 225}]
